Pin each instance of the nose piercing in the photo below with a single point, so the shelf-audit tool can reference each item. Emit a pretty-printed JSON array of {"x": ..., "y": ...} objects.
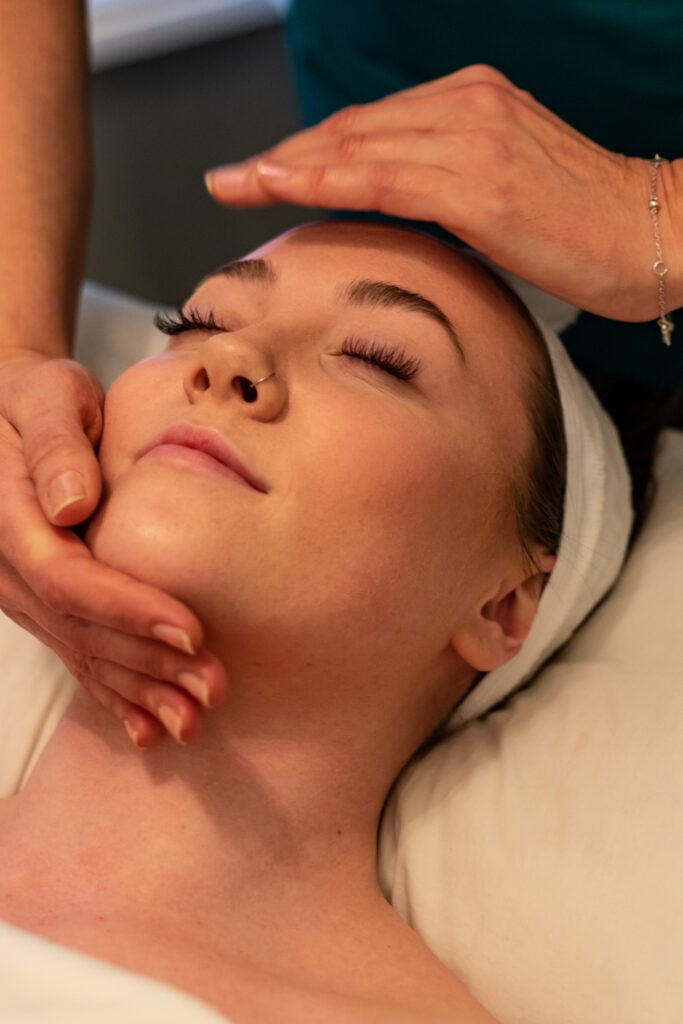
[
  {"x": 262, "y": 379},
  {"x": 249, "y": 392}
]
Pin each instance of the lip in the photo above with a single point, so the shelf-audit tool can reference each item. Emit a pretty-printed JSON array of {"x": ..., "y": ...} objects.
[{"x": 209, "y": 442}]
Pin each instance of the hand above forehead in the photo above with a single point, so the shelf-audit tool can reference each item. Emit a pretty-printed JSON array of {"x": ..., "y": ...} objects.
[{"x": 493, "y": 166}]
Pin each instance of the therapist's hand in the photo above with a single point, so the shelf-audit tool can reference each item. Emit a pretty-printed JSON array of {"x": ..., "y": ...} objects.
[
  {"x": 494, "y": 167},
  {"x": 129, "y": 644}
]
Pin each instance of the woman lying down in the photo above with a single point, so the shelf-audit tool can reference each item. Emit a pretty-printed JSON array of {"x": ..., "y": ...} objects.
[{"x": 350, "y": 462}]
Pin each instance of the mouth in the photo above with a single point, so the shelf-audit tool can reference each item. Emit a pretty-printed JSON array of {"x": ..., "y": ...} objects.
[{"x": 203, "y": 448}]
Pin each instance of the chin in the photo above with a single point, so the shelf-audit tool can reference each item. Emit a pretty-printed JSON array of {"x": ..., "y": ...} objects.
[{"x": 156, "y": 540}]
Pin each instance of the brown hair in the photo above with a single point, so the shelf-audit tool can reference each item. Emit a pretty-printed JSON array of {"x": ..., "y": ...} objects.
[{"x": 538, "y": 492}]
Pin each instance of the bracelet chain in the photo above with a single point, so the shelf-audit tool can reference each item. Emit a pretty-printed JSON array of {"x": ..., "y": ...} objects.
[{"x": 666, "y": 324}]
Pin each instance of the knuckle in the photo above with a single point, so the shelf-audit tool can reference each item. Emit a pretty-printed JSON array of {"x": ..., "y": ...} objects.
[
  {"x": 350, "y": 146},
  {"x": 488, "y": 99},
  {"x": 154, "y": 664},
  {"x": 75, "y": 634},
  {"x": 487, "y": 73},
  {"x": 317, "y": 177},
  {"x": 383, "y": 179},
  {"x": 48, "y": 443},
  {"x": 59, "y": 382},
  {"x": 92, "y": 667},
  {"x": 84, "y": 680},
  {"x": 343, "y": 122},
  {"x": 54, "y": 375},
  {"x": 53, "y": 591},
  {"x": 79, "y": 667}
]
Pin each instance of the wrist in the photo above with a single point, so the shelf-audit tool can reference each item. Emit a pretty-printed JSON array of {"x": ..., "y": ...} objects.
[
  {"x": 21, "y": 338},
  {"x": 670, "y": 216}
]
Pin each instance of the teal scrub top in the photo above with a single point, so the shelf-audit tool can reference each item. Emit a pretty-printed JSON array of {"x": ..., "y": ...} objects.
[{"x": 610, "y": 68}]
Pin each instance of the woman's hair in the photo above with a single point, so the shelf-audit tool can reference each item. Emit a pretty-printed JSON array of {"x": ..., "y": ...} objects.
[
  {"x": 539, "y": 495},
  {"x": 538, "y": 490}
]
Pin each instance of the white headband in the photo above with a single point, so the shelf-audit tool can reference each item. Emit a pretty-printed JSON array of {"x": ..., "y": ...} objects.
[{"x": 595, "y": 533}]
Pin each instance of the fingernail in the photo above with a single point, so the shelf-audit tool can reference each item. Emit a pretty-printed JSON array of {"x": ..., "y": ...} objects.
[
  {"x": 227, "y": 175},
  {"x": 196, "y": 686},
  {"x": 173, "y": 636},
  {"x": 172, "y": 722},
  {"x": 132, "y": 733},
  {"x": 266, "y": 170},
  {"x": 64, "y": 490}
]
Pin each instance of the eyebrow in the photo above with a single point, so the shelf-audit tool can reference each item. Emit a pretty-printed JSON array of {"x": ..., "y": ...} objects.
[
  {"x": 357, "y": 293},
  {"x": 248, "y": 270},
  {"x": 392, "y": 296}
]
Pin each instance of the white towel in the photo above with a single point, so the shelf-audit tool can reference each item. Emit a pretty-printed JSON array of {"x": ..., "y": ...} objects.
[
  {"x": 44, "y": 983},
  {"x": 597, "y": 524}
]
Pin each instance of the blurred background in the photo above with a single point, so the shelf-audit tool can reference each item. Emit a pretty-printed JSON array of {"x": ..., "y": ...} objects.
[{"x": 179, "y": 86}]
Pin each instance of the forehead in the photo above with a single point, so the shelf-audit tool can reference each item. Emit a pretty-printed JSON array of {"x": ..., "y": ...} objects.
[{"x": 341, "y": 250}]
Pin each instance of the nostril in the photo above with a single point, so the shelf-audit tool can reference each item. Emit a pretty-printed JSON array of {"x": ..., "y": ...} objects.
[
  {"x": 249, "y": 392},
  {"x": 202, "y": 380}
]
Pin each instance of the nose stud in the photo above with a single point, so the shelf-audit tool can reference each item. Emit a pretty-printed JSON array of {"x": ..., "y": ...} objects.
[{"x": 249, "y": 392}]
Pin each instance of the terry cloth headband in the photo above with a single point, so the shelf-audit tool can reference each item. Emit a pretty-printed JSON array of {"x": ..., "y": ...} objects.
[{"x": 595, "y": 532}]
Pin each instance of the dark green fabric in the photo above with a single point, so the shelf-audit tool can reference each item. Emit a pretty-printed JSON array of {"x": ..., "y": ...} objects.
[{"x": 611, "y": 68}]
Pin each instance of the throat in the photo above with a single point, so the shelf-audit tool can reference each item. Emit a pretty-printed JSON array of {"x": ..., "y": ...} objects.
[{"x": 103, "y": 832}]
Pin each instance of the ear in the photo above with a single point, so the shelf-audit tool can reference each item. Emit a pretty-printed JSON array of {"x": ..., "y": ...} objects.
[{"x": 498, "y": 628}]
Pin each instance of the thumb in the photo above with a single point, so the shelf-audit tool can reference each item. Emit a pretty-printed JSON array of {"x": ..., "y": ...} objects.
[{"x": 58, "y": 415}]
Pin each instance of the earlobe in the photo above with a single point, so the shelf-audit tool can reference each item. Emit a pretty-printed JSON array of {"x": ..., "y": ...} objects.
[{"x": 500, "y": 625}]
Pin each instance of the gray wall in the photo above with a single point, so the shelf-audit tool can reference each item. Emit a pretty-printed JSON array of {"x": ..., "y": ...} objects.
[{"x": 158, "y": 125}]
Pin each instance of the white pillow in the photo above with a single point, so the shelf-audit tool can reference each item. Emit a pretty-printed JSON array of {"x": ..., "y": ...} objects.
[{"x": 539, "y": 852}]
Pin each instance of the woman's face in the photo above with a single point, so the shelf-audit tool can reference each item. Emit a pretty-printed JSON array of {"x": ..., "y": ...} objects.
[{"x": 380, "y": 510}]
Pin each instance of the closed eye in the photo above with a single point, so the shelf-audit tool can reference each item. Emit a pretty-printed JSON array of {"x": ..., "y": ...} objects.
[
  {"x": 391, "y": 360},
  {"x": 186, "y": 320}
]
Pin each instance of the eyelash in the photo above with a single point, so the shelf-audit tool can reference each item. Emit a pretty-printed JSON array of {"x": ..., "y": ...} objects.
[
  {"x": 179, "y": 321},
  {"x": 392, "y": 361}
]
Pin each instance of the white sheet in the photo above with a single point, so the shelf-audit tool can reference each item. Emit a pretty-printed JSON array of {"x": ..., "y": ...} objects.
[{"x": 43, "y": 983}]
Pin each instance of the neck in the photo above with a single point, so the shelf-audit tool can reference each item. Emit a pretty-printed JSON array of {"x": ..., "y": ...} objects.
[{"x": 239, "y": 826}]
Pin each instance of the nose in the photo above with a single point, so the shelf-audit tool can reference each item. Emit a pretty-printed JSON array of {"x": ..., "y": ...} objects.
[
  {"x": 227, "y": 369},
  {"x": 249, "y": 392}
]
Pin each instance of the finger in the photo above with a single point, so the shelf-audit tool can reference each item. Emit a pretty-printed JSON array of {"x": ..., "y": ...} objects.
[
  {"x": 403, "y": 110},
  {"x": 402, "y": 190},
  {"x": 150, "y": 706},
  {"x": 56, "y": 409},
  {"x": 59, "y": 569},
  {"x": 147, "y": 729},
  {"x": 471, "y": 98},
  {"x": 342, "y": 137},
  {"x": 202, "y": 677},
  {"x": 143, "y": 729},
  {"x": 426, "y": 148},
  {"x": 129, "y": 692},
  {"x": 241, "y": 185}
]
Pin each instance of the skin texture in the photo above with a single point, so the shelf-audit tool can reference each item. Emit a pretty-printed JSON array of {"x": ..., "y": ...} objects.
[
  {"x": 352, "y": 603},
  {"x": 490, "y": 164},
  {"x": 391, "y": 485},
  {"x": 470, "y": 151}
]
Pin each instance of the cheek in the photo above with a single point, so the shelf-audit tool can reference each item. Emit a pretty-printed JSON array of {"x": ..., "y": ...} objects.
[
  {"x": 133, "y": 413},
  {"x": 141, "y": 523},
  {"x": 388, "y": 523}
]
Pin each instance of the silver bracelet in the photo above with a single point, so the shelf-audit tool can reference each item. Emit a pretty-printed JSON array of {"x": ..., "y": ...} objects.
[{"x": 666, "y": 324}]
